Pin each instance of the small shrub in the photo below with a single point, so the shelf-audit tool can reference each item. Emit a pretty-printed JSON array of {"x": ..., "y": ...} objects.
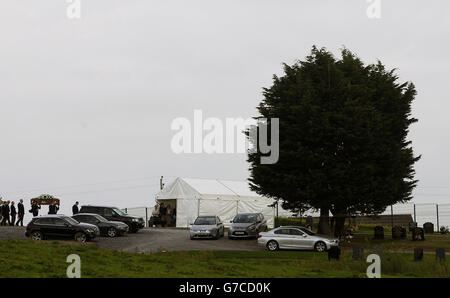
[{"x": 444, "y": 230}]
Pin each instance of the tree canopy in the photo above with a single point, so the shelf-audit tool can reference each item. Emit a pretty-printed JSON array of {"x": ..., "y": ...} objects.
[{"x": 343, "y": 143}]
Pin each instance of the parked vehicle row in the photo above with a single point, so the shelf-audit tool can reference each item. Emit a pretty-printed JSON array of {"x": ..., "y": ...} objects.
[
  {"x": 86, "y": 226},
  {"x": 92, "y": 221},
  {"x": 254, "y": 225}
]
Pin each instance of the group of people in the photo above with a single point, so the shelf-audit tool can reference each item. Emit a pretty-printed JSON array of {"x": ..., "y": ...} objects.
[
  {"x": 166, "y": 214},
  {"x": 9, "y": 213}
]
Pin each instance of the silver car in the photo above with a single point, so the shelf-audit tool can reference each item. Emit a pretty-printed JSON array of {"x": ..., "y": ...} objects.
[
  {"x": 246, "y": 225},
  {"x": 293, "y": 237},
  {"x": 207, "y": 227}
]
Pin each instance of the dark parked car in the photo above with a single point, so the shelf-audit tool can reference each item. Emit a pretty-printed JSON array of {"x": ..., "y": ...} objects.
[
  {"x": 247, "y": 225},
  {"x": 107, "y": 228},
  {"x": 49, "y": 226},
  {"x": 115, "y": 214}
]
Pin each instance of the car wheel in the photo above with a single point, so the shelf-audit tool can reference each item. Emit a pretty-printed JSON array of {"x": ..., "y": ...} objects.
[
  {"x": 36, "y": 235},
  {"x": 112, "y": 232},
  {"x": 80, "y": 237},
  {"x": 320, "y": 246},
  {"x": 272, "y": 245},
  {"x": 217, "y": 235}
]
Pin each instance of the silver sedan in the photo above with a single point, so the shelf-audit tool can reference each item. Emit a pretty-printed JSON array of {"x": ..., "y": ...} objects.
[
  {"x": 207, "y": 227},
  {"x": 293, "y": 237}
]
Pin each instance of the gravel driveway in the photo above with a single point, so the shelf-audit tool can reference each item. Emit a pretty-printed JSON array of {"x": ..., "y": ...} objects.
[{"x": 153, "y": 240}]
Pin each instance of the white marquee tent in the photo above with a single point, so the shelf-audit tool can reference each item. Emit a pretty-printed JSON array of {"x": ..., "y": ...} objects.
[{"x": 194, "y": 197}]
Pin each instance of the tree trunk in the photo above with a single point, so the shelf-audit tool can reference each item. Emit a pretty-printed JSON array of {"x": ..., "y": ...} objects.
[
  {"x": 339, "y": 225},
  {"x": 324, "y": 222}
]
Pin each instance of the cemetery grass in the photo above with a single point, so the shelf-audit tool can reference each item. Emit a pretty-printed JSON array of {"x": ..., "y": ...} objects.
[{"x": 25, "y": 258}]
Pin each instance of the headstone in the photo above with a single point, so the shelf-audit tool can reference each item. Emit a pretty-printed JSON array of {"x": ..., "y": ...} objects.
[
  {"x": 397, "y": 232},
  {"x": 428, "y": 227},
  {"x": 334, "y": 253},
  {"x": 418, "y": 254},
  {"x": 358, "y": 253},
  {"x": 378, "y": 250},
  {"x": 403, "y": 233},
  {"x": 418, "y": 234},
  {"x": 412, "y": 225},
  {"x": 309, "y": 221},
  {"x": 440, "y": 254},
  {"x": 379, "y": 232}
]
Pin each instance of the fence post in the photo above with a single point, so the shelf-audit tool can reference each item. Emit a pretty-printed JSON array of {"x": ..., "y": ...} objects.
[
  {"x": 392, "y": 216},
  {"x": 146, "y": 218},
  {"x": 437, "y": 216},
  {"x": 415, "y": 213}
]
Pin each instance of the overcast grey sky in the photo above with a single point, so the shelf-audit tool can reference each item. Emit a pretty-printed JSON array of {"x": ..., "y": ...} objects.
[{"x": 86, "y": 104}]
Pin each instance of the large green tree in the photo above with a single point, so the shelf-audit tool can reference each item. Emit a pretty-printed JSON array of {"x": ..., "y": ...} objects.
[{"x": 343, "y": 144}]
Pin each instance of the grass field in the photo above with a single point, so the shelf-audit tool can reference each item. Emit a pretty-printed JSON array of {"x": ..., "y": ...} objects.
[{"x": 24, "y": 258}]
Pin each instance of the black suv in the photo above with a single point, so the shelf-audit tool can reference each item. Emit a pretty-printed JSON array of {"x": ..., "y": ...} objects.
[
  {"x": 115, "y": 214},
  {"x": 48, "y": 226}
]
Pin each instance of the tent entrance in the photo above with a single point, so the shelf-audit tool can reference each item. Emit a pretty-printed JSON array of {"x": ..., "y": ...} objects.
[{"x": 170, "y": 218}]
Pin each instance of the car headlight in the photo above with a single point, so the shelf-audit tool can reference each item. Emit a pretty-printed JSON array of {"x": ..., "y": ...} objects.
[
  {"x": 135, "y": 219},
  {"x": 89, "y": 230},
  {"x": 252, "y": 227}
]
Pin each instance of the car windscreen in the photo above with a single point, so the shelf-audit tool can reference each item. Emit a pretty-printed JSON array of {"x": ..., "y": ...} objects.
[
  {"x": 71, "y": 220},
  {"x": 120, "y": 212},
  {"x": 245, "y": 218},
  {"x": 205, "y": 221},
  {"x": 100, "y": 218}
]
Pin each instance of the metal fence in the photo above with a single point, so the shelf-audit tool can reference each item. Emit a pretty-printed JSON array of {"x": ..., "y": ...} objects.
[{"x": 438, "y": 214}]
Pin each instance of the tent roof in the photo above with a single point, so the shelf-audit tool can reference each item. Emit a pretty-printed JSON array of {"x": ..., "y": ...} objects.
[{"x": 189, "y": 188}]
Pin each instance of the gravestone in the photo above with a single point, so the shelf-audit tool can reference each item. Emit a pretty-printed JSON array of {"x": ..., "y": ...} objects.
[
  {"x": 378, "y": 232},
  {"x": 418, "y": 254},
  {"x": 428, "y": 227},
  {"x": 418, "y": 234},
  {"x": 440, "y": 254},
  {"x": 397, "y": 233},
  {"x": 378, "y": 250},
  {"x": 403, "y": 233},
  {"x": 358, "y": 253},
  {"x": 334, "y": 253},
  {"x": 412, "y": 225}
]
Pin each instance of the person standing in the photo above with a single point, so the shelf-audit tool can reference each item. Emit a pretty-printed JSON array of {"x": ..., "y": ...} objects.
[
  {"x": 53, "y": 208},
  {"x": 35, "y": 208},
  {"x": 20, "y": 213},
  {"x": 13, "y": 214},
  {"x": 75, "y": 209},
  {"x": 162, "y": 214},
  {"x": 5, "y": 214}
]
